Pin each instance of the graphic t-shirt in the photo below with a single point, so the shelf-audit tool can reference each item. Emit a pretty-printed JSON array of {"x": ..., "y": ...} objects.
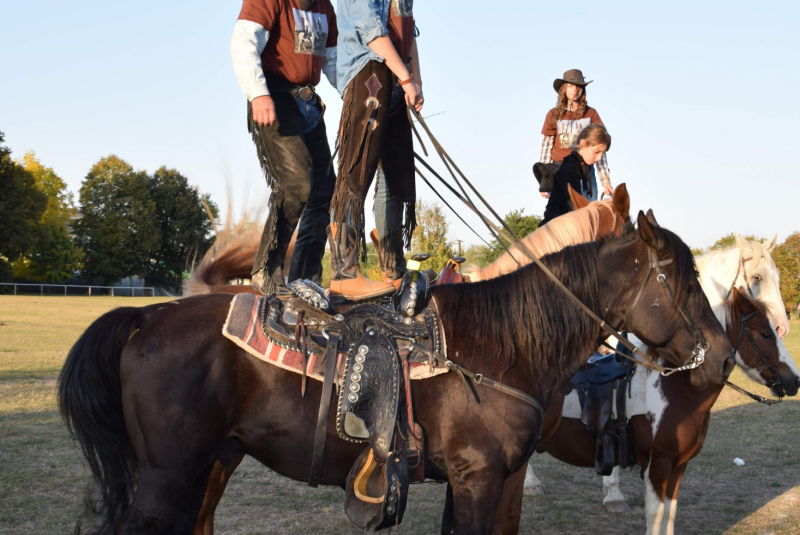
[
  {"x": 567, "y": 130},
  {"x": 297, "y": 38},
  {"x": 401, "y": 27}
]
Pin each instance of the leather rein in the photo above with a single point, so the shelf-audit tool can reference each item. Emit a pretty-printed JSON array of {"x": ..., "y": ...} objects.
[{"x": 698, "y": 354}]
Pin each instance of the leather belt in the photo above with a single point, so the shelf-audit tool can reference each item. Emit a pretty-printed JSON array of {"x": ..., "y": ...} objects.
[{"x": 305, "y": 93}]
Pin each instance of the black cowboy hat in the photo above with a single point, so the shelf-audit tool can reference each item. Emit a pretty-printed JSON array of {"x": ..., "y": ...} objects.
[{"x": 572, "y": 76}]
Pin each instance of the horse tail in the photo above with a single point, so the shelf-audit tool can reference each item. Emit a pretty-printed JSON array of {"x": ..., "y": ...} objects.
[
  {"x": 230, "y": 258},
  {"x": 90, "y": 400}
]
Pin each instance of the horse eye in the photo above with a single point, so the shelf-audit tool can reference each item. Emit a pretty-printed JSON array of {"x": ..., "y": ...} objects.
[
  {"x": 757, "y": 277},
  {"x": 767, "y": 335}
]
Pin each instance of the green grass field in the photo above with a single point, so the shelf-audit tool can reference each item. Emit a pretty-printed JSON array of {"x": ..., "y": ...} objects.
[{"x": 43, "y": 476}]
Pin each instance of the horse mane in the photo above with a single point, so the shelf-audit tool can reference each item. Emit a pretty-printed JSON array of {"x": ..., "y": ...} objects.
[
  {"x": 523, "y": 316},
  {"x": 572, "y": 228}
]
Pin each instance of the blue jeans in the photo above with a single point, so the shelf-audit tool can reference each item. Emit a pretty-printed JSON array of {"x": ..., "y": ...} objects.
[
  {"x": 311, "y": 112},
  {"x": 388, "y": 211}
]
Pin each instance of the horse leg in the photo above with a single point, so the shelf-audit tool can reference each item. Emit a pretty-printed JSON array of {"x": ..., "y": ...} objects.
[
  {"x": 614, "y": 501},
  {"x": 532, "y": 485},
  {"x": 509, "y": 511},
  {"x": 476, "y": 495},
  {"x": 220, "y": 475},
  {"x": 166, "y": 501},
  {"x": 662, "y": 480},
  {"x": 447, "y": 515}
]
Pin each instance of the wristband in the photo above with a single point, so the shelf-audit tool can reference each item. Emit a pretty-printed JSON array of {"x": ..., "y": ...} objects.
[{"x": 407, "y": 80}]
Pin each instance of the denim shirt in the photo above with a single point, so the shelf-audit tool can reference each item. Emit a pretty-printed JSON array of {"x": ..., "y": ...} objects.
[{"x": 359, "y": 22}]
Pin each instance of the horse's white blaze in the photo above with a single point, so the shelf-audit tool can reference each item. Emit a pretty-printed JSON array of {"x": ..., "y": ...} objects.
[{"x": 660, "y": 515}]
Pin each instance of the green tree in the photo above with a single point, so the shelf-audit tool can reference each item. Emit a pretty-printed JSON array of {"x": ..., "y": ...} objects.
[
  {"x": 476, "y": 254},
  {"x": 521, "y": 224},
  {"x": 118, "y": 229},
  {"x": 21, "y": 209},
  {"x": 430, "y": 235},
  {"x": 55, "y": 256},
  {"x": 787, "y": 260},
  {"x": 184, "y": 228},
  {"x": 730, "y": 240}
]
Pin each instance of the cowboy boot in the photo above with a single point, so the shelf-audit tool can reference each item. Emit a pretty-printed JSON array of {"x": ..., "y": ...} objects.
[
  {"x": 347, "y": 279},
  {"x": 390, "y": 256}
]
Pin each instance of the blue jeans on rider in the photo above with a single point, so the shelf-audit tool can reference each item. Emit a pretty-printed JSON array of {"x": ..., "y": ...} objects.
[{"x": 388, "y": 211}]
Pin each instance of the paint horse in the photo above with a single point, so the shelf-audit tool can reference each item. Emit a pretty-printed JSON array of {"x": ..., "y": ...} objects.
[
  {"x": 156, "y": 395},
  {"x": 669, "y": 416},
  {"x": 747, "y": 263}
]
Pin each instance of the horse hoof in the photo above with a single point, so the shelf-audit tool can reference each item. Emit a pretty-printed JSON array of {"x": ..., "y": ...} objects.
[
  {"x": 535, "y": 490},
  {"x": 619, "y": 506}
]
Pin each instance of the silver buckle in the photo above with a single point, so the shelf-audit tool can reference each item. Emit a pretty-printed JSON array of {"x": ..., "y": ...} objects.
[{"x": 305, "y": 93}]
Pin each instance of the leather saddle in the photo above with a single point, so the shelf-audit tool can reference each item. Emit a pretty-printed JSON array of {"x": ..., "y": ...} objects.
[
  {"x": 601, "y": 387},
  {"x": 374, "y": 394}
]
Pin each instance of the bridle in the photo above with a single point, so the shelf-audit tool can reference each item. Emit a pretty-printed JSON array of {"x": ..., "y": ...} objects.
[
  {"x": 701, "y": 345},
  {"x": 741, "y": 268},
  {"x": 776, "y": 378}
]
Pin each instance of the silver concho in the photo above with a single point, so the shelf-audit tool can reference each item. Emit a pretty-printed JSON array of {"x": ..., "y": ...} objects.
[
  {"x": 356, "y": 377},
  {"x": 360, "y": 358},
  {"x": 390, "y": 509},
  {"x": 353, "y": 397},
  {"x": 363, "y": 350},
  {"x": 358, "y": 367},
  {"x": 355, "y": 387}
]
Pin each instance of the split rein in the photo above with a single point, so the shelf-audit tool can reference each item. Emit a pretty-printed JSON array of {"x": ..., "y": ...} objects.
[{"x": 701, "y": 346}]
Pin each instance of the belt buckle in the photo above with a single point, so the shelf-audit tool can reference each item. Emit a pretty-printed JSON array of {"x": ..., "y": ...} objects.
[{"x": 305, "y": 93}]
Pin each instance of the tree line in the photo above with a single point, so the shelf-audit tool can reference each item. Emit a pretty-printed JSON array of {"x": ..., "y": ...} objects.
[{"x": 127, "y": 223}]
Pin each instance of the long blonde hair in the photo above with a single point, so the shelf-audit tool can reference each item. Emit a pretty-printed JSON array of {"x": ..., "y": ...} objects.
[{"x": 561, "y": 105}]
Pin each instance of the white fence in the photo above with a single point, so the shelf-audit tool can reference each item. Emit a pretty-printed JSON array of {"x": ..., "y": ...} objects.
[{"x": 127, "y": 291}]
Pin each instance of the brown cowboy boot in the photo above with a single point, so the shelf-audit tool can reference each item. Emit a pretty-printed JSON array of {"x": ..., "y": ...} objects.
[
  {"x": 347, "y": 279},
  {"x": 383, "y": 261}
]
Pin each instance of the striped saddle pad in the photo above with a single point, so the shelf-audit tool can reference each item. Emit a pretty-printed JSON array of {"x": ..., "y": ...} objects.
[{"x": 243, "y": 327}]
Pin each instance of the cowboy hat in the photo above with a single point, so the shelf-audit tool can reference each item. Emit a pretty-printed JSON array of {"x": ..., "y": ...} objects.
[{"x": 572, "y": 76}]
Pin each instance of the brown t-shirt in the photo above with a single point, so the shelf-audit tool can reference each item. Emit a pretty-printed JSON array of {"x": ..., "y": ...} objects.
[
  {"x": 567, "y": 130},
  {"x": 401, "y": 27},
  {"x": 297, "y": 39}
]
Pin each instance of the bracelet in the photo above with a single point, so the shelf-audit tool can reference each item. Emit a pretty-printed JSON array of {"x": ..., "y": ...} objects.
[{"x": 407, "y": 80}]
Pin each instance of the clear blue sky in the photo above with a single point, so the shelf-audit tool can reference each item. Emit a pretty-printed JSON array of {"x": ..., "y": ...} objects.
[{"x": 700, "y": 98}]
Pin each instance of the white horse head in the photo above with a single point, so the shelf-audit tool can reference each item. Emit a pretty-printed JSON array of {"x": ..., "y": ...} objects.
[{"x": 748, "y": 264}]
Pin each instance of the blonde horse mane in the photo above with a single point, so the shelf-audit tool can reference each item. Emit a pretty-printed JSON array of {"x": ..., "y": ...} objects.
[{"x": 579, "y": 226}]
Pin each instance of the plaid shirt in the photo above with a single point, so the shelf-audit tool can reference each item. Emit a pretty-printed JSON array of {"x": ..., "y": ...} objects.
[{"x": 547, "y": 151}]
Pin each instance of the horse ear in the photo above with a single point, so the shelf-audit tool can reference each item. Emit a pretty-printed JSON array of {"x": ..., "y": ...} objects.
[
  {"x": 652, "y": 218},
  {"x": 742, "y": 302},
  {"x": 650, "y": 234},
  {"x": 770, "y": 245},
  {"x": 621, "y": 202},
  {"x": 578, "y": 200},
  {"x": 743, "y": 245}
]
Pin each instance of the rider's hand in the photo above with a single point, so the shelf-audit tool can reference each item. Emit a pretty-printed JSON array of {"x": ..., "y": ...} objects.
[
  {"x": 609, "y": 191},
  {"x": 263, "y": 110},
  {"x": 414, "y": 96},
  {"x": 546, "y": 195}
]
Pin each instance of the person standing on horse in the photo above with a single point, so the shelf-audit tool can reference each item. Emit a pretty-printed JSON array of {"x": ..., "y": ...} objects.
[
  {"x": 279, "y": 48},
  {"x": 589, "y": 149},
  {"x": 377, "y": 62},
  {"x": 563, "y": 124}
]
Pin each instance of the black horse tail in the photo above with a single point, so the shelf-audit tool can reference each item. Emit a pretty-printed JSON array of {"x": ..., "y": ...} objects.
[{"x": 90, "y": 399}]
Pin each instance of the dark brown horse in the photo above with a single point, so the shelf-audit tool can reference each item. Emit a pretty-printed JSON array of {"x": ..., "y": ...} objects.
[
  {"x": 670, "y": 416},
  {"x": 157, "y": 395}
]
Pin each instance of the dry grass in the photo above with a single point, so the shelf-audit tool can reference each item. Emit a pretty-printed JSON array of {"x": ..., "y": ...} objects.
[{"x": 42, "y": 477}]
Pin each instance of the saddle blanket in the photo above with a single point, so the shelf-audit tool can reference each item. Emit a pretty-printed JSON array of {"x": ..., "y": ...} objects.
[{"x": 243, "y": 327}]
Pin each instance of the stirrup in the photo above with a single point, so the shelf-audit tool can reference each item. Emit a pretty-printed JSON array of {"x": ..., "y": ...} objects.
[{"x": 360, "y": 486}]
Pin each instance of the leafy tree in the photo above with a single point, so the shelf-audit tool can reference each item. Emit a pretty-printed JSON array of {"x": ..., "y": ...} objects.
[
  {"x": 118, "y": 229},
  {"x": 521, "y": 224},
  {"x": 730, "y": 240},
  {"x": 430, "y": 235},
  {"x": 21, "y": 209},
  {"x": 184, "y": 228},
  {"x": 55, "y": 256},
  {"x": 476, "y": 254},
  {"x": 787, "y": 260}
]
